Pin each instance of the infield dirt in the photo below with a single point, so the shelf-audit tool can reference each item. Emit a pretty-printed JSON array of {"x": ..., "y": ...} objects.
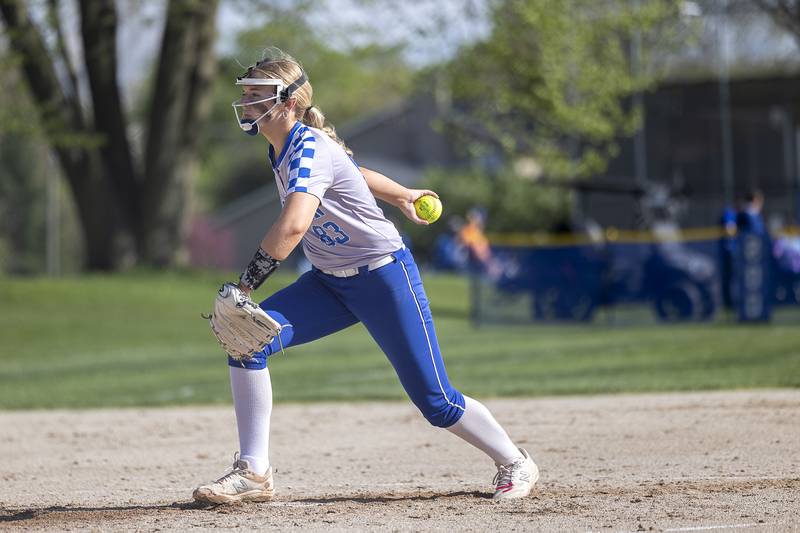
[{"x": 668, "y": 462}]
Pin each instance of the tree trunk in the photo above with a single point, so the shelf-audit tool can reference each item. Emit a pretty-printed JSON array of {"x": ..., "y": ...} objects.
[
  {"x": 60, "y": 120},
  {"x": 179, "y": 108},
  {"x": 101, "y": 225},
  {"x": 99, "y": 32}
]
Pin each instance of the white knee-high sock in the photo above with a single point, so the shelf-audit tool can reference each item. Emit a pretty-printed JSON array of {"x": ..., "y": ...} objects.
[
  {"x": 252, "y": 400},
  {"x": 478, "y": 427}
]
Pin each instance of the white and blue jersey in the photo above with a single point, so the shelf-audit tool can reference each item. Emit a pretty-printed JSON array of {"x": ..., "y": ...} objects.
[{"x": 349, "y": 229}]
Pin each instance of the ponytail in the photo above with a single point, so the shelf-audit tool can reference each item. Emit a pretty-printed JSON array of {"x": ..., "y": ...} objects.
[{"x": 313, "y": 117}]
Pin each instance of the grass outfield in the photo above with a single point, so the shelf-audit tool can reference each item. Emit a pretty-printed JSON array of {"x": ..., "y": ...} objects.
[{"x": 138, "y": 339}]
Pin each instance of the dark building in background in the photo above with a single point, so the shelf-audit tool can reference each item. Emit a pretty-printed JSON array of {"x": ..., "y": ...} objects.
[
  {"x": 684, "y": 150},
  {"x": 683, "y": 139},
  {"x": 404, "y": 141}
]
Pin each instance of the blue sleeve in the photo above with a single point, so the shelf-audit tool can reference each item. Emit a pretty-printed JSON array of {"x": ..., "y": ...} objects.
[{"x": 310, "y": 168}]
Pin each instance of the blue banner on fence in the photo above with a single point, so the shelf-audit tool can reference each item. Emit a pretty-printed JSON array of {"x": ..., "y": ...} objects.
[
  {"x": 678, "y": 278},
  {"x": 753, "y": 269},
  {"x": 571, "y": 282}
]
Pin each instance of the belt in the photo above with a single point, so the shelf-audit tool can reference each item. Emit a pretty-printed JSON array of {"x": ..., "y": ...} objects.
[{"x": 349, "y": 272}]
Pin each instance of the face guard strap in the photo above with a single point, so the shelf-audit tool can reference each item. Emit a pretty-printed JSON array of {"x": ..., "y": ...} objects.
[{"x": 296, "y": 84}]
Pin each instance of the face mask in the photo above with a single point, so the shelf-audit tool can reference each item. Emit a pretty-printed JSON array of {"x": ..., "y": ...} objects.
[
  {"x": 282, "y": 93},
  {"x": 250, "y": 126}
]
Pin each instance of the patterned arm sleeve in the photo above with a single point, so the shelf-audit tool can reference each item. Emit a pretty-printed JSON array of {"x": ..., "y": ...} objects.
[{"x": 310, "y": 169}]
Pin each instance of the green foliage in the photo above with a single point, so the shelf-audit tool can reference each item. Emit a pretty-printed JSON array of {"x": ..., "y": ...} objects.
[
  {"x": 552, "y": 77},
  {"x": 513, "y": 204},
  {"x": 24, "y": 169},
  {"x": 18, "y": 112},
  {"x": 21, "y": 176},
  {"x": 147, "y": 345},
  {"x": 22, "y": 205}
]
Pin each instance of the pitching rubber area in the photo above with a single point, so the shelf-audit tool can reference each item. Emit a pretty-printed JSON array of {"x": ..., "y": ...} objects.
[{"x": 717, "y": 461}]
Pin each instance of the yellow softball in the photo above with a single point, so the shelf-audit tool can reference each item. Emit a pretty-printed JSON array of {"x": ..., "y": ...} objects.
[{"x": 428, "y": 208}]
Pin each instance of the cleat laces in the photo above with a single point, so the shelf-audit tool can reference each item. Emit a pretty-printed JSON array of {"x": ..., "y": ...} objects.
[
  {"x": 505, "y": 474},
  {"x": 236, "y": 470}
]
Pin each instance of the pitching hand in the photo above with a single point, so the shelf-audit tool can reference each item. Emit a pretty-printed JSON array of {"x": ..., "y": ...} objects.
[{"x": 407, "y": 205}]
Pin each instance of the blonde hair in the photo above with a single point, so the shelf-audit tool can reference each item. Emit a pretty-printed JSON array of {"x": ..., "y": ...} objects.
[{"x": 277, "y": 64}]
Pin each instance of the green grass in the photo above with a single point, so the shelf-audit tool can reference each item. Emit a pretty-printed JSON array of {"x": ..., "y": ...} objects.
[{"x": 138, "y": 339}]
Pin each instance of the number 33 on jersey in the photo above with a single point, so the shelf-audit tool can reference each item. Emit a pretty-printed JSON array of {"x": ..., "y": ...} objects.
[{"x": 329, "y": 232}]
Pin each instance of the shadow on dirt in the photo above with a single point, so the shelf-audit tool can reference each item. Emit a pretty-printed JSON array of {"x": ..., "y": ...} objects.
[
  {"x": 65, "y": 512},
  {"x": 366, "y": 498},
  {"x": 8, "y": 515}
]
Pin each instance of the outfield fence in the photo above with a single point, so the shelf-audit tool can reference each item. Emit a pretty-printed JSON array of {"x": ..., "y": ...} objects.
[{"x": 665, "y": 275}]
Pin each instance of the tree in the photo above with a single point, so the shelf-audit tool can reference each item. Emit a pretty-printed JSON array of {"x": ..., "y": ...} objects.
[
  {"x": 552, "y": 79},
  {"x": 121, "y": 196},
  {"x": 785, "y": 13}
]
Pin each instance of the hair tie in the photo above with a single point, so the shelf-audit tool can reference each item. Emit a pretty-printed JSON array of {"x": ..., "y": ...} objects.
[{"x": 309, "y": 108}]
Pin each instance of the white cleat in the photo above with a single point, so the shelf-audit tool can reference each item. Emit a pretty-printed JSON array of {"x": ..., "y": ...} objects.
[
  {"x": 515, "y": 480},
  {"x": 238, "y": 485}
]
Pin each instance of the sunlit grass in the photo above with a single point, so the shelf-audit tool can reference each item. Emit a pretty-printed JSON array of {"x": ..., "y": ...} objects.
[{"x": 138, "y": 339}]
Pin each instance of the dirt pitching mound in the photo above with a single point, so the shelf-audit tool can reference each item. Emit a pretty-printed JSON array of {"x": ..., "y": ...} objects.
[{"x": 669, "y": 462}]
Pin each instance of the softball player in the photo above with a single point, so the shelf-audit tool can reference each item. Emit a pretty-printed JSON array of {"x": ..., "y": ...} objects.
[{"x": 361, "y": 273}]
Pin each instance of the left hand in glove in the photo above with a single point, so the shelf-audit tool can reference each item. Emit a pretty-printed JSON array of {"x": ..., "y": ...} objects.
[{"x": 240, "y": 325}]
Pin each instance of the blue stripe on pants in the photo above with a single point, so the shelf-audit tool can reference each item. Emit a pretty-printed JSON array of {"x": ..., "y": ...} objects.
[{"x": 392, "y": 305}]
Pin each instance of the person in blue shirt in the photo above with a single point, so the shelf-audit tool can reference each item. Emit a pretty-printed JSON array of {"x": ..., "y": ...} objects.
[{"x": 749, "y": 217}]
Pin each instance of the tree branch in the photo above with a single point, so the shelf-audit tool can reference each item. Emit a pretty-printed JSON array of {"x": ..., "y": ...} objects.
[
  {"x": 99, "y": 32},
  {"x": 169, "y": 94},
  {"x": 198, "y": 103},
  {"x": 61, "y": 49},
  {"x": 784, "y": 13},
  {"x": 180, "y": 102},
  {"x": 55, "y": 107}
]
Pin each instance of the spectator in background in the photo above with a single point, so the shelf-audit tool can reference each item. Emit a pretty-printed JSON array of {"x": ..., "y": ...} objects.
[
  {"x": 749, "y": 218},
  {"x": 754, "y": 272},
  {"x": 727, "y": 250},
  {"x": 473, "y": 238},
  {"x": 471, "y": 235}
]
